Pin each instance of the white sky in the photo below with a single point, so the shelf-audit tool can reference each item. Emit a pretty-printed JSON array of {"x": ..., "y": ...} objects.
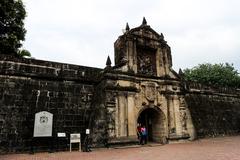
[{"x": 83, "y": 31}]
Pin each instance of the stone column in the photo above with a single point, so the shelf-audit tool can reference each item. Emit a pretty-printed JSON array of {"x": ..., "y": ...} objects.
[
  {"x": 159, "y": 62},
  {"x": 122, "y": 115},
  {"x": 190, "y": 127},
  {"x": 178, "y": 123},
  {"x": 166, "y": 64},
  {"x": 131, "y": 116},
  {"x": 171, "y": 115},
  {"x": 130, "y": 54},
  {"x": 117, "y": 118},
  {"x": 134, "y": 56}
]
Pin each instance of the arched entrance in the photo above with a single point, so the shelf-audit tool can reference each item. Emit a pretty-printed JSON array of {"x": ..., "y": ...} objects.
[{"x": 154, "y": 121}]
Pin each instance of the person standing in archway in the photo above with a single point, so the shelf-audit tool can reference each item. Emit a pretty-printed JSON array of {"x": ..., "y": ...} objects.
[
  {"x": 139, "y": 133},
  {"x": 143, "y": 139}
]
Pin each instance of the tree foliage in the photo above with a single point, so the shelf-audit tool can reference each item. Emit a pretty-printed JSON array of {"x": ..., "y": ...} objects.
[
  {"x": 214, "y": 74},
  {"x": 24, "y": 53},
  {"x": 12, "y": 31}
]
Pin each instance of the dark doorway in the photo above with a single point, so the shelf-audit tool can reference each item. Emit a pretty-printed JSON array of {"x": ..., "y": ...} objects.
[{"x": 153, "y": 121}]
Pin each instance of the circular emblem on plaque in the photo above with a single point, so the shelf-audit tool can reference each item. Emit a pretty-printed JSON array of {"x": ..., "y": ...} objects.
[{"x": 43, "y": 119}]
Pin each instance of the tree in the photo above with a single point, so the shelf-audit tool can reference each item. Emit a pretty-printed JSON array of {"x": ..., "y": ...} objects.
[
  {"x": 12, "y": 31},
  {"x": 24, "y": 53},
  {"x": 214, "y": 74}
]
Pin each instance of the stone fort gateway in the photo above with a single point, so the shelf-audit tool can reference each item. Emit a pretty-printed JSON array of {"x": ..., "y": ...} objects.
[{"x": 141, "y": 88}]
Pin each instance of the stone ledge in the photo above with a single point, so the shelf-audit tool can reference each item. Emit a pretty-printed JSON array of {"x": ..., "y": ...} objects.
[
  {"x": 123, "y": 141},
  {"x": 178, "y": 137}
]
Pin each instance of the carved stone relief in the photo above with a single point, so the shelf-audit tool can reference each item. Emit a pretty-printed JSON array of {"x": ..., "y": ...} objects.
[
  {"x": 149, "y": 93},
  {"x": 145, "y": 65},
  {"x": 146, "y": 61},
  {"x": 183, "y": 115}
]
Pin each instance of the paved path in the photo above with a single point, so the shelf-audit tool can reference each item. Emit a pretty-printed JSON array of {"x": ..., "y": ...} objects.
[{"x": 224, "y": 148}]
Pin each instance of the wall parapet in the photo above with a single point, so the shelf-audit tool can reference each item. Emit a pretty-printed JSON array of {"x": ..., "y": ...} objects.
[
  {"x": 191, "y": 86},
  {"x": 15, "y": 66}
]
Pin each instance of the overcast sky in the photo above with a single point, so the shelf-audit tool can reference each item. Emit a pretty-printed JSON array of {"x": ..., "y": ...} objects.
[{"x": 83, "y": 31}]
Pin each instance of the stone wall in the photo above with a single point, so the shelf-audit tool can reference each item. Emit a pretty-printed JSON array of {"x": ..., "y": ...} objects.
[
  {"x": 106, "y": 101},
  {"x": 215, "y": 111},
  {"x": 29, "y": 86}
]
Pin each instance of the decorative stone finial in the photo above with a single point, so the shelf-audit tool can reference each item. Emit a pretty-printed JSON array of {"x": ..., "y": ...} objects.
[
  {"x": 162, "y": 37},
  {"x": 108, "y": 63},
  {"x": 127, "y": 27},
  {"x": 144, "y": 22},
  {"x": 180, "y": 71}
]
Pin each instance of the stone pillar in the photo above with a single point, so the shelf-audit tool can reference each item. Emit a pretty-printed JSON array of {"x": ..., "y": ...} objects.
[
  {"x": 117, "y": 118},
  {"x": 122, "y": 115},
  {"x": 159, "y": 62},
  {"x": 129, "y": 46},
  {"x": 134, "y": 52},
  {"x": 171, "y": 115},
  {"x": 178, "y": 123},
  {"x": 132, "y": 56},
  {"x": 131, "y": 116},
  {"x": 166, "y": 63},
  {"x": 190, "y": 127},
  {"x": 164, "y": 108}
]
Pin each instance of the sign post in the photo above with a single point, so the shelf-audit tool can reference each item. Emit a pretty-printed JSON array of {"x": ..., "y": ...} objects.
[
  {"x": 61, "y": 137},
  {"x": 75, "y": 138},
  {"x": 86, "y": 141},
  {"x": 43, "y": 125}
]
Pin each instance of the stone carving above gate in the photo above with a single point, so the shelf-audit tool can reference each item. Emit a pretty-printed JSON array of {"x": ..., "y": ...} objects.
[
  {"x": 146, "y": 61},
  {"x": 145, "y": 65},
  {"x": 150, "y": 91}
]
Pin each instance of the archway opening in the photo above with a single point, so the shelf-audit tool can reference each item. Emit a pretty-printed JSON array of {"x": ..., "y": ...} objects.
[{"x": 153, "y": 120}]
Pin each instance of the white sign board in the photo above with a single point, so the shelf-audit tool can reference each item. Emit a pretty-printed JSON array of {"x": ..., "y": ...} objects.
[
  {"x": 61, "y": 134},
  {"x": 75, "y": 138},
  {"x": 43, "y": 124},
  {"x": 87, "y": 131}
]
